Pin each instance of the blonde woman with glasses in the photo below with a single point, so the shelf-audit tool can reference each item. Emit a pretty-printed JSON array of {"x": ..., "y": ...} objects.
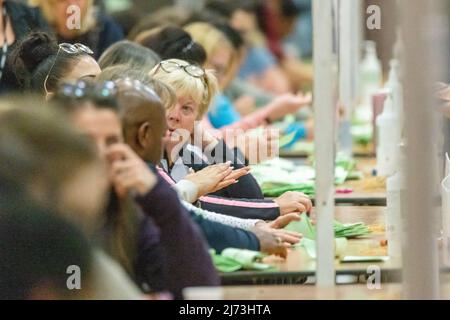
[{"x": 188, "y": 147}]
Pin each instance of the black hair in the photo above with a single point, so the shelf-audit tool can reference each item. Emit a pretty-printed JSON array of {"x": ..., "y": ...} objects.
[
  {"x": 227, "y": 8},
  {"x": 37, "y": 247},
  {"x": 129, "y": 53},
  {"x": 38, "y": 56},
  {"x": 289, "y": 8},
  {"x": 173, "y": 42},
  {"x": 231, "y": 33}
]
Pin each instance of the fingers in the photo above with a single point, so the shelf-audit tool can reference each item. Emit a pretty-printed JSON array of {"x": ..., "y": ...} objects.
[
  {"x": 290, "y": 239},
  {"x": 304, "y": 202},
  {"x": 286, "y": 233},
  {"x": 222, "y": 175},
  {"x": 216, "y": 172},
  {"x": 300, "y": 207},
  {"x": 236, "y": 174},
  {"x": 283, "y": 221},
  {"x": 217, "y": 168},
  {"x": 119, "y": 151},
  {"x": 122, "y": 166},
  {"x": 224, "y": 184}
]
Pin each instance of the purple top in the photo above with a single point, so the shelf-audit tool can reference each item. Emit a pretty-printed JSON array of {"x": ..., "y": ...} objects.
[{"x": 187, "y": 258}]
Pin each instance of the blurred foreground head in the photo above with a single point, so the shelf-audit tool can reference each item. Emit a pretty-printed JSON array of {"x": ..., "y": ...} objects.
[
  {"x": 42, "y": 256},
  {"x": 43, "y": 158}
]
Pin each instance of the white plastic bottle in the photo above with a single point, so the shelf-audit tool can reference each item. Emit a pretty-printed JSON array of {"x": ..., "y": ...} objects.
[
  {"x": 395, "y": 190},
  {"x": 371, "y": 76},
  {"x": 394, "y": 86},
  {"x": 388, "y": 140}
]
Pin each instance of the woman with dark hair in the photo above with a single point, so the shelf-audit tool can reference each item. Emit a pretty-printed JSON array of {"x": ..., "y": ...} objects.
[
  {"x": 40, "y": 64},
  {"x": 172, "y": 42},
  {"x": 44, "y": 160},
  {"x": 16, "y": 21}
]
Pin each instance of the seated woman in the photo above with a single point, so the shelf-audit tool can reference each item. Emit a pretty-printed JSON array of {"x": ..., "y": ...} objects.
[
  {"x": 42, "y": 65},
  {"x": 173, "y": 42},
  {"x": 187, "y": 148},
  {"x": 137, "y": 120},
  {"x": 19, "y": 20},
  {"x": 70, "y": 180},
  {"x": 225, "y": 59},
  {"x": 93, "y": 28}
]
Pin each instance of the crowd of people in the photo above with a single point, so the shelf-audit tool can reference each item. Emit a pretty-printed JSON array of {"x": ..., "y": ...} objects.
[{"x": 125, "y": 151}]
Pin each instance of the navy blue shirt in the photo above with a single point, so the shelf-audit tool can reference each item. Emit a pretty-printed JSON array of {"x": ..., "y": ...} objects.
[{"x": 105, "y": 33}]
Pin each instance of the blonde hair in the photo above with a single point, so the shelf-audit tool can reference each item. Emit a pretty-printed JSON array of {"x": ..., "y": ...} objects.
[
  {"x": 164, "y": 91},
  {"x": 143, "y": 35},
  {"x": 87, "y": 17},
  {"x": 201, "y": 90},
  {"x": 208, "y": 36},
  {"x": 213, "y": 40}
]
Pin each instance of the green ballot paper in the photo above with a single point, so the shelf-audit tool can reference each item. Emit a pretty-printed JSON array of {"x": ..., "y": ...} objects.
[
  {"x": 341, "y": 231},
  {"x": 232, "y": 259},
  {"x": 340, "y": 244},
  {"x": 277, "y": 175}
]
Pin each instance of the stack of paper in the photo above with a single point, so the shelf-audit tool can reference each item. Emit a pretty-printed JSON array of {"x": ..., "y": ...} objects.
[
  {"x": 277, "y": 175},
  {"x": 232, "y": 259},
  {"x": 341, "y": 232}
]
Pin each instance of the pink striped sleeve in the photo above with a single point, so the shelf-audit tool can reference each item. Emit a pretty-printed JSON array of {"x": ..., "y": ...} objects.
[
  {"x": 238, "y": 203},
  {"x": 165, "y": 176}
]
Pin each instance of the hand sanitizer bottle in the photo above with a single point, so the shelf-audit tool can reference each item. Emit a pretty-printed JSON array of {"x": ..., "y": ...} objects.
[
  {"x": 371, "y": 80},
  {"x": 388, "y": 140},
  {"x": 394, "y": 187}
]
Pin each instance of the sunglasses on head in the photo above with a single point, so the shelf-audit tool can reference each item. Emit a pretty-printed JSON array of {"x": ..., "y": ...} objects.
[
  {"x": 69, "y": 49},
  {"x": 191, "y": 69},
  {"x": 81, "y": 89},
  {"x": 133, "y": 84}
]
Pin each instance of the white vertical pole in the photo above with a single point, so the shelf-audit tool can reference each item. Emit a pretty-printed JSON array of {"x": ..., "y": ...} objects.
[
  {"x": 324, "y": 119},
  {"x": 349, "y": 27},
  {"x": 423, "y": 43},
  {"x": 349, "y": 47}
]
